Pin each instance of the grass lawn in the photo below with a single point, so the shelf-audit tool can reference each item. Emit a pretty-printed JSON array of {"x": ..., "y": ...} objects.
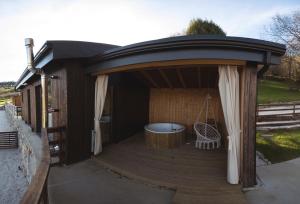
[
  {"x": 4, "y": 91},
  {"x": 276, "y": 91},
  {"x": 3, "y": 101},
  {"x": 282, "y": 146}
]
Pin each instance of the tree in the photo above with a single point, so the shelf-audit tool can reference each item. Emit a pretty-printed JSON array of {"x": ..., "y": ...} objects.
[
  {"x": 286, "y": 29},
  {"x": 204, "y": 27}
]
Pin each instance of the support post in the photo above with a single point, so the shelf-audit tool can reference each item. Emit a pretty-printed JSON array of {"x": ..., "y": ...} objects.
[
  {"x": 249, "y": 125},
  {"x": 44, "y": 85}
]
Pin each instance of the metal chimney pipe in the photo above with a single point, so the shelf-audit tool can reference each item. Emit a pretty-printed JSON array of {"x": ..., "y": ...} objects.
[
  {"x": 29, "y": 45},
  {"x": 44, "y": 80}
]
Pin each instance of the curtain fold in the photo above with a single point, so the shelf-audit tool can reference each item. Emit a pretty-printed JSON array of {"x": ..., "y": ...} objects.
[
  {"x": 229, "y": 94},
  {"x": 100, "y": 94}
]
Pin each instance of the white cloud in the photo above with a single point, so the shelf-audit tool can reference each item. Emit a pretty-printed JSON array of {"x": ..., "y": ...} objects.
[{"x": 115, "y": 22}]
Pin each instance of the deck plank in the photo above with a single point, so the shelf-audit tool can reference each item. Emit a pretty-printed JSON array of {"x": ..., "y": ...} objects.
[{"x": 198, "y": 176}]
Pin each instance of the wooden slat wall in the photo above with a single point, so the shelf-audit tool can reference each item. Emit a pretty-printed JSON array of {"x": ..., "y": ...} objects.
[
  {"x": 249, "y": 125},
  {"x": 80, "y": 116},
  {"x": 32, "y": 107},
  {"x": 38, "y": 108},
  {"x": 182, "y": 105},
  {"x": 24, "y": 104},
  {"x": 89, "y": 100},
  {"x": 58, "y": 97},
  {"x": 71, "y": 92},
  {"x": 16, "y": 100}
]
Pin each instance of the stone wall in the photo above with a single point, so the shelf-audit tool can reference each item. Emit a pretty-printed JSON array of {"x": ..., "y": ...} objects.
[{"x": 30, "y": 143}]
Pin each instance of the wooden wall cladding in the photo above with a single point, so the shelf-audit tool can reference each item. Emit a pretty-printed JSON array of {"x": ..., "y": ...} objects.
[
  {"x": 159, "y": 141},
  {"x": 249, "y": 125},
  {"x": 29, "y": 104},
  {"x": 80, "y": 100},
  {"x": 71, "y": 93},
  {"x": 58, "y": 97},
  {"x": 23, "y": 104},
  {"x": 130, "y": 106},
  {"x": 16, "y": 100},
  {"x": 182, "y": 106}
]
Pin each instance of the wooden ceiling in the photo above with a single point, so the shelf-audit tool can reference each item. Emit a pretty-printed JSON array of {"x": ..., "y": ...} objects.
[{"x": 179, "y": 77}]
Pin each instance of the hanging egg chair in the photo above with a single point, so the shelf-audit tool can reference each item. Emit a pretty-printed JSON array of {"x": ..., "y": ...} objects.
[{"x": 208, "y": 136}]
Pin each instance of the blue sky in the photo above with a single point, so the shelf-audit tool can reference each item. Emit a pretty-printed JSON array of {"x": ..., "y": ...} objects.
[{"x": 121, "y": 22}]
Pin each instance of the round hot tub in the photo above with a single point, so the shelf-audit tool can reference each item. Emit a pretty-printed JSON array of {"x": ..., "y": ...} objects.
[{"x": 164, "y": 135}]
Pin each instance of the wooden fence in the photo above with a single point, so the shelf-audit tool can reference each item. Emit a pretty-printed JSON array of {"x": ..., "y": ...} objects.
[
  {"x": 8, "y": 140},
  {"x": 279, "y": 111}
]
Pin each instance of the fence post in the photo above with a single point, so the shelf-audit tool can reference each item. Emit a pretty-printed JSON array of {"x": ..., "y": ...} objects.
[{"x": 294, "y": 111}]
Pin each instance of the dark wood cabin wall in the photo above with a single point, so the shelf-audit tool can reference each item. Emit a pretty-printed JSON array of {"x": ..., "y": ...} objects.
[
  {"x": 89, "y": 104},
  {"x": 72, "y": 94},
  {"x": 80, "y": 112},
  {"x": 249, "y": 95},
  {"x": 25, "y": 112},
  {"x": 34, "y": 111},
  {"x": 16, "y": 100},
  {"x": 32, "y": 108},
  {"x": 58, "y": 97},
  {"x": 130, "y": 106},
  {"x": 24, "y": 105},
  {"x": 38, "y": 108},
  {"x": 183, "y": 106}
]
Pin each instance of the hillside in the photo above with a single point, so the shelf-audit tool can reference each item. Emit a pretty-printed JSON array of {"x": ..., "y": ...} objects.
[{"x": 5, "y": 88}]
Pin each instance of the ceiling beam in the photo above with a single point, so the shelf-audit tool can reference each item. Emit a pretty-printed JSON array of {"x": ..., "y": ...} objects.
[
  {"x": 149, "y": 78},
  {"x": 164, "y": 76},
  {"x": 180, "y": 78},
  {"x": 141, "y": 79}
]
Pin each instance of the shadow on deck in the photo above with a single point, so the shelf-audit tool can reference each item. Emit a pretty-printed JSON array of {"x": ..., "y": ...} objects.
[{"x": 198, "y": 176}]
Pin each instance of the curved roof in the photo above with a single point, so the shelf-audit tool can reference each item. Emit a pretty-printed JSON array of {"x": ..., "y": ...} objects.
[
  {"x": 190, "y": 47},
  {"x": 62, "y": 49},
  {"x": 101, "y": 56}
]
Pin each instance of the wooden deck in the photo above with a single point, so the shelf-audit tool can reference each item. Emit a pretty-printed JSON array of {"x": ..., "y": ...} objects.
[{"x": 197, "y": 176}]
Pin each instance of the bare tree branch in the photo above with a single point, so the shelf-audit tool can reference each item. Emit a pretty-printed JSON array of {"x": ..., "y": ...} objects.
[{"x": 286, "y": 29}]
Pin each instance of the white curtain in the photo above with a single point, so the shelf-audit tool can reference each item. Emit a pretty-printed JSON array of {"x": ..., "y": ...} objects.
[
  {"x": 100, "y": 94},
  {"x": 229, "y": 93}
]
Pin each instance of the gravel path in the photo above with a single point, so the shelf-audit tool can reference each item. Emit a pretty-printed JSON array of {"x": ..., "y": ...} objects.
[{"x": 12, "y": 181}]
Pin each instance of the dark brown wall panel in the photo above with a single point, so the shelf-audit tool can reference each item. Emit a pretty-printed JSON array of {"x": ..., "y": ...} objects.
[
  {"x": 249, "y": 125},
  {"x": 80, "y": 115},
  {"x": 130, "y": 107},
  {"x": 58, "y": 97}
]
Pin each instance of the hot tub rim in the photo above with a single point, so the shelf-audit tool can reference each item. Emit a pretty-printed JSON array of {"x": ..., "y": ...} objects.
[{"x": 165, "y": 132}]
